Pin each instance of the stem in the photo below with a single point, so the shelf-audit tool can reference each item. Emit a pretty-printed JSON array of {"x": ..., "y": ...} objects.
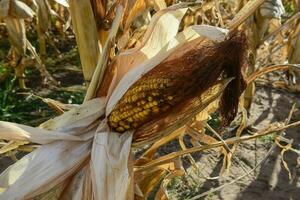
[{"x": 269, "y": 130}]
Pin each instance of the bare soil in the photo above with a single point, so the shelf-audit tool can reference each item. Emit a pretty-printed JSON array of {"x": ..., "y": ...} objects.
[{"x": 270, "y": 180}]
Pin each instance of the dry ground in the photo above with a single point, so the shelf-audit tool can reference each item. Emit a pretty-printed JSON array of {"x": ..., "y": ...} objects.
[{"x": 270, "y": 180}]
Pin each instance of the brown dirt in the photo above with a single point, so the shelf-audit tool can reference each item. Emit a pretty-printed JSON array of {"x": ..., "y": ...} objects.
[{"x": 270, "y": 105}]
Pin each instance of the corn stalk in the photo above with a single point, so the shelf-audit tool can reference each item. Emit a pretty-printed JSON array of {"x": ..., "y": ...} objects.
[{"x": 84, "y": 26}]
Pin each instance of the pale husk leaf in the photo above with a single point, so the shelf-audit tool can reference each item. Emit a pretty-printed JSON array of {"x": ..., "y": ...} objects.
[
  {"x": 150, "y": 45},
  {"x": 111, "y": 175},
  {"x": 13, "y": 131},
  {"x": 77, "y": 118},
  {"x": 43, "y": 169}
]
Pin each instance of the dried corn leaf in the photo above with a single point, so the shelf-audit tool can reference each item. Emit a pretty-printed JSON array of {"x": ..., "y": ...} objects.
[
  {"x": 77, "y": 118},
  {"x": 110, "y": 164},
  {"x": 150, "y": 181},
  {"x": 4, "y": 8},
  {"x": 161, "y": 194},
  {"x": 102, "y": 62},
  {"x": 80, "y": 187},
  {"x": 16, "y": 33},
  {"x": 11, "y": 146},
  {"x": 43, "y": 169},
  {"x": 12, "y": 131},
  {"x": 53, "y": 194},
  {"x": 150, "y": 152},
  {"x": 43, "y": 16},
  {"x": 16, "y": 9},
  {"x": 58, "y": 106},
  {"x": 132, "y": 10},
  {"x": 244, "y": 13},
  {"x": 150, "y": 46}
]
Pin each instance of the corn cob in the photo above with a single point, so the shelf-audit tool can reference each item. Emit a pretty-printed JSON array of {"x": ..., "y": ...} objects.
[{"x": 179, "y": 79}]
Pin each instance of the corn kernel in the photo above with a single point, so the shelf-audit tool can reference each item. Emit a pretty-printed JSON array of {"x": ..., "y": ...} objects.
[
  {"x": 129, "y": 119},
  {"x": 170, "y": 98},
  {"x": 120, "y": 129}
]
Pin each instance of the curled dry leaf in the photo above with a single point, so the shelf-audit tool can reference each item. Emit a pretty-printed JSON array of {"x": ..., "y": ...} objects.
[
  {"x": 43, "y": 15},
  {"x": 11, "y": 146},
  {"x": 12, "y": 131},
  {"x": 62, "y": 2},
  {"x": 16, "y": 9},
  {"x": 149, "y": 47},
  {"x": 43, "y": 169},
  {"x": 16, "y": 33}
]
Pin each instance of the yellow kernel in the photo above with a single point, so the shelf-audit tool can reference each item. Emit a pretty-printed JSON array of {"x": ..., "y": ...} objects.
[
  {"x": 114, "y": 118},
  {"x": 170, "y": 98},
  {"x": 148, "y": 105},
  {"x": 129, "y": 119},
  {"x": 146, "y": 112},
  {"x": 150, "y": 98},
  {"x": 127, "y": 127},
  {"x": 140, "y": 114},
  {"x": 120, "y": 129},
  {"x": 134, "y": 97}
]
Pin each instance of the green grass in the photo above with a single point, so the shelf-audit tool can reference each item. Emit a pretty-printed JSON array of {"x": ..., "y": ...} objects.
[
  {"x": 266, "y": 138},
  {"x": 27, "y": 109},
  {"x": 15, "y": 107}
]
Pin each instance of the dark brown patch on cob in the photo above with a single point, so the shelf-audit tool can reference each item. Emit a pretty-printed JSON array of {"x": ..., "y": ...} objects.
[{"x": 177, "y": 80}]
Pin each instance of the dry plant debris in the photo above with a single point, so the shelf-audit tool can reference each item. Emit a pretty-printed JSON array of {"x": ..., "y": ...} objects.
[{"x": 153, "y": 75}]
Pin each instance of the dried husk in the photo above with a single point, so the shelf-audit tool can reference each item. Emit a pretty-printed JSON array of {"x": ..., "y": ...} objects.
[
  {"x": 66, "y": 165},
  {"x": 40, "y": 171},
  {"x": 71, "y": 123},
  {"x": 16, "y": 33},
  {"x": 149, "y": 47}
]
